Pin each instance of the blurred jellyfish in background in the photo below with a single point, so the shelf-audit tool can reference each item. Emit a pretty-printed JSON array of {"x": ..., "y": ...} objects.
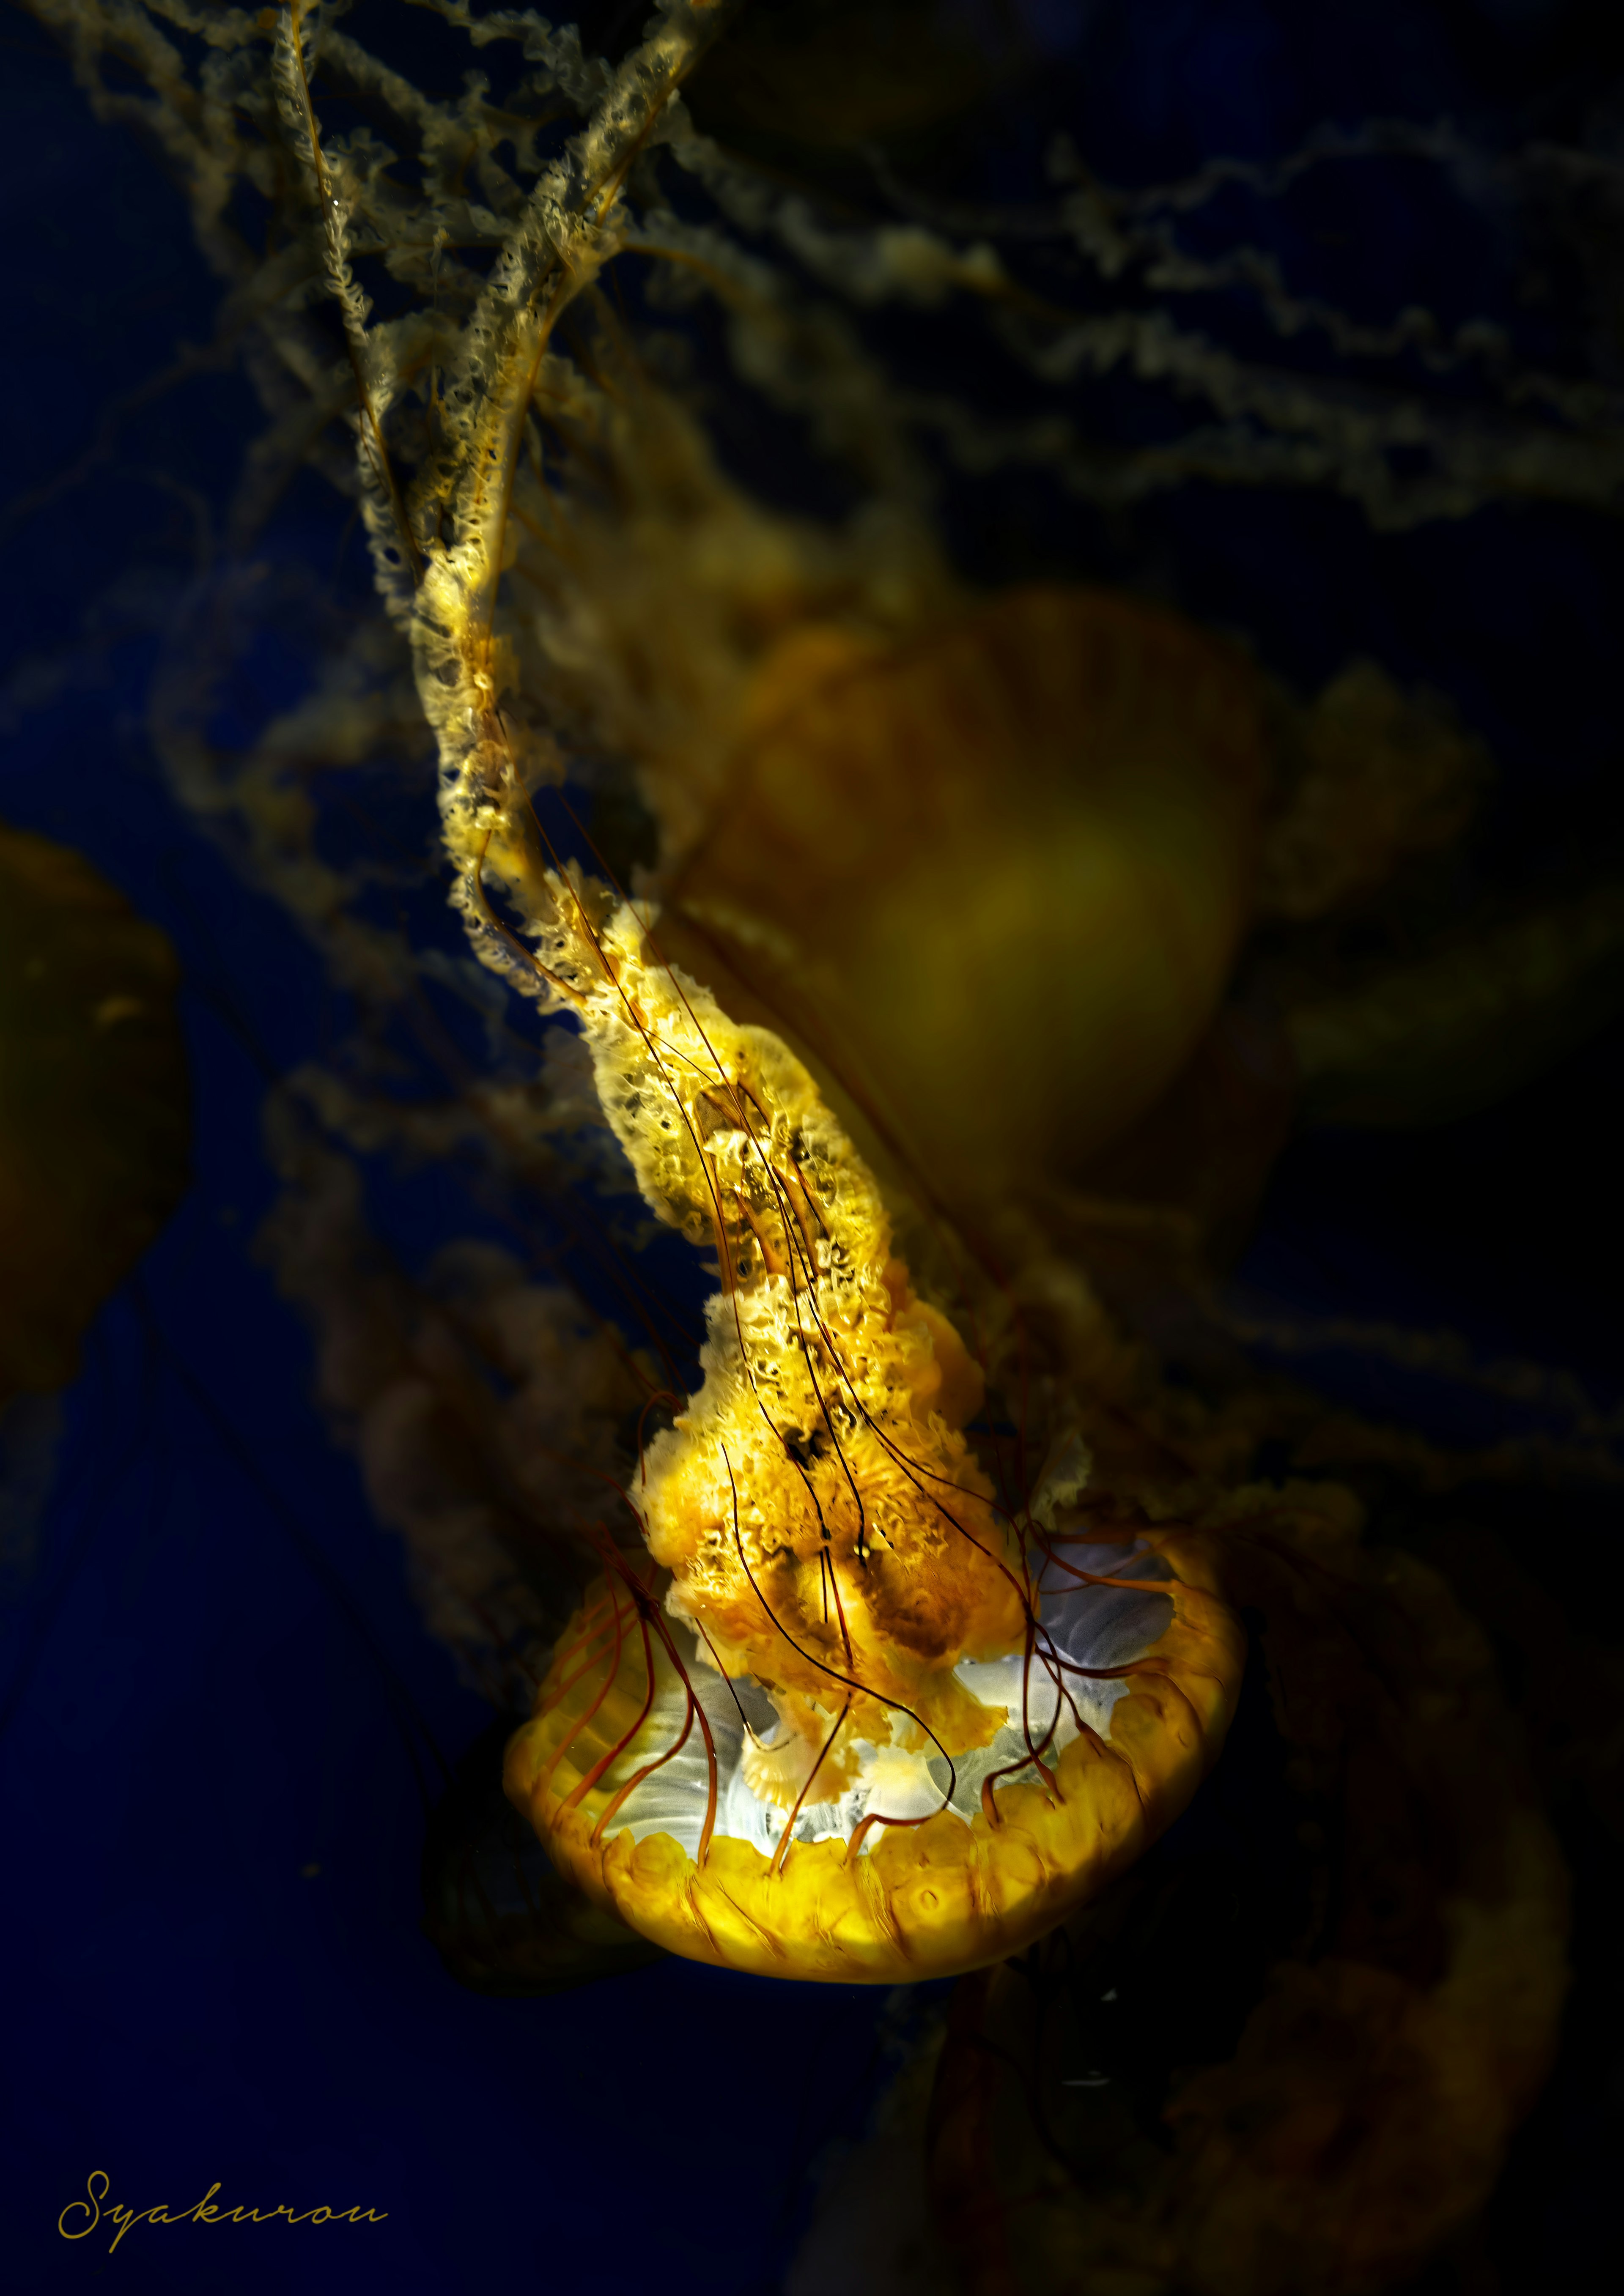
[
  {"x": 93, "y": 1138},
  {"x": 915, "y": 889},
  {"x": 96, "y": 1108}
]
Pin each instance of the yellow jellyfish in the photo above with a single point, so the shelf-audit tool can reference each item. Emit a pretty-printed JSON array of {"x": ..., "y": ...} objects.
[
  {"x": 869, "y": 1703},
  {"x": 855, "y": 1717}
]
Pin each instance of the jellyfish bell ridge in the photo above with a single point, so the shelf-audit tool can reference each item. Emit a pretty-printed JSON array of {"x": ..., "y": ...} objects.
[{"x": 915, "y": 1865}]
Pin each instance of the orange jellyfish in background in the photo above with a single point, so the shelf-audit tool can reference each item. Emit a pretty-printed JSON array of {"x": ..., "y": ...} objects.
[{"x": 984, "y": 861}]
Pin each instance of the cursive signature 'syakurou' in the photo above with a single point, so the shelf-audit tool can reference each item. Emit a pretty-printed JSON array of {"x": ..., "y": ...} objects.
[{"x": 204, "y": 2211}]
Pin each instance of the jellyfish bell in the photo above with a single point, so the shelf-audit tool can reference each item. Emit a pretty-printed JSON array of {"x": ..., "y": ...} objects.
[
  {"x": 852, "y": 1716},
  {"x": 1076, "y": 779},
  {"x": 653, "y": 1782}
]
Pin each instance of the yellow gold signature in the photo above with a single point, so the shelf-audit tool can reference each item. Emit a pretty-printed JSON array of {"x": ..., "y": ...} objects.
[{"x": 203, "y": 2211}]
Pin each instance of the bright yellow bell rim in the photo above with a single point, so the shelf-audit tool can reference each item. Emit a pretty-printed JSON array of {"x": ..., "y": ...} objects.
[{"x": 931, "y": 1899}]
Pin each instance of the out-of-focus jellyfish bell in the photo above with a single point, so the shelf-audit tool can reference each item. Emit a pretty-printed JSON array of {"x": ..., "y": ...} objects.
[
  {"x": 856, "y": 1717},
  {"x": 92, "y": 1102},
  {"x": 1004, "y": 867},
  {"x": 984, "y": 861}
]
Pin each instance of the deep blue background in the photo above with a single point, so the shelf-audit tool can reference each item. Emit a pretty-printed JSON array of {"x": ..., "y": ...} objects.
[{"x": 212, "y": 1659}]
